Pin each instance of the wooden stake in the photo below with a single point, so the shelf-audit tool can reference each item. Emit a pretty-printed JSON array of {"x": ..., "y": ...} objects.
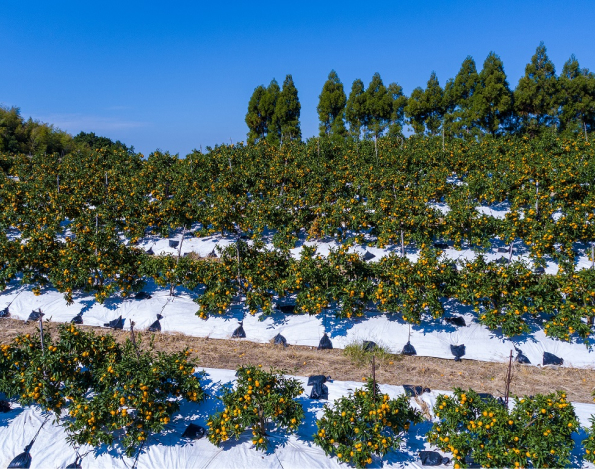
[
  {"x": 376, "y": 146},
  {"x": 537, "y": 198},
  {"x": 402, "y": 245},
  {"x": 508, "y": 379},
  {"x": 41, "y": 333},
  {"x": 374, "y": 373},
  {"x": 134, "y": 339}
]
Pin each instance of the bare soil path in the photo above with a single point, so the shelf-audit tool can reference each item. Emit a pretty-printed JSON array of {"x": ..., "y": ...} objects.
[{"x": 434, "y": 373}]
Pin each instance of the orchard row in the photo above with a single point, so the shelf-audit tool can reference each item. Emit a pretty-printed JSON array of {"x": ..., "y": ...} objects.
[
  {"x": 102, "y": 392},
  {"x": 71, "y": 222},
  {"x": 504, "y": 294}
]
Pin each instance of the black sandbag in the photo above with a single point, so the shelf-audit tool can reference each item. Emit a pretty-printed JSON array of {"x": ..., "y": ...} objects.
[
  {"x": 239, "y": 333},
  {"x": 4, "y": 406},
  {"x": 116, "y": 323},
  {"x": 522, "y": 358},
  {"x": 5, "y": 313},
  {"x": 471, "y": 463},
  {"x": 458, "y": 321},
  {"x": 142, "y": 295},
  {"x": 76, "y": 464},
  {"x": 194, "y": 432},
  {"x": 212, "y": 254},
  {"x": 22, "y": 461},
  {"x": 325, "y": 343},
  {"x": 173, "y": 243},
  {"x": 539, "y": 270},
  {"x": 408, "y": 349},
  {"x": 319, "y": 391},
  {"x": 287, "y": 309},
  {"x": 458, "y": 351},
  {"x": 35, "y": 316},
  {"x": 441, "y": 245},
  {"x": 78, "y": 319},
  {"x": 485, "y": 396},
  {"x": 280, "y": 340},
  {"x": 368, "y": 256},
  {"x": 431, "y": 458},
  {"x": 156, "y": 326},
  {"x": 317, "y": 379},
  {"x": 504, "y": 249},
  {"x": 369, "y": 346},
  {"x": 413, "y": 391},
  {"x": 150, "y": 252},
  {"x": 551, "y": 359}
]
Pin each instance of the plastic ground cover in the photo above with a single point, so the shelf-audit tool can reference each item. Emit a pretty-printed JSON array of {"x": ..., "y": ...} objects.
[{"x": 170, "y": 450}]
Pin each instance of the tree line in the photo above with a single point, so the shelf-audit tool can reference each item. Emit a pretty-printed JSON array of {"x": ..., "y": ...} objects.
[
  {"x": 18, "y": 135},
  {"x": 472, "y": 104}
]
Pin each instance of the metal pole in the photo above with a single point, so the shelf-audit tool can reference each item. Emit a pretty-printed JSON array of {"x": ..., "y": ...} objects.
[{"x": 41, "y": 332}]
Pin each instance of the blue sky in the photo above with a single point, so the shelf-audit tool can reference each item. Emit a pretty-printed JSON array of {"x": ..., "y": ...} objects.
[{"x": 178, "y": 75}]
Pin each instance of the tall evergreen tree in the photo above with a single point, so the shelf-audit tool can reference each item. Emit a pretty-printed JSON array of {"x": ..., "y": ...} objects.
[
  {"x": 434, "y": 104},
  {"x": 425, "y": 108},
  {"x": 355, "y": 109},
  {"x": 536, "y": 97},
  {"x": 267, "y": 107},
  {"x": 256, "y": 121},
  {"x": 493, "y": 101},
  {"x": 577, "y": 98},
  {"x": 287, "y": 111},
  {"x": 331, "y": 107},
  {"x": 415, "y": 111},
  {"x": 378, "y": 109},
  {"x": 459, "y": 95},
  {"x": 399, "y": 101}
]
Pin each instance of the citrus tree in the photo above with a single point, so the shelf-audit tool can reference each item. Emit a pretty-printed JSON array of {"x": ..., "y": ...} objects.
[
  {"x": 262, "y": 401},
  {"x": 364, "y": 424},
  {"x": 535, "y": 432},
  {"x": 99, "y": 390}
]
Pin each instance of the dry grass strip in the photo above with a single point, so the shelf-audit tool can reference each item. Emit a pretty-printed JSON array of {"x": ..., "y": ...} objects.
[{"x": 434, "y": 373}]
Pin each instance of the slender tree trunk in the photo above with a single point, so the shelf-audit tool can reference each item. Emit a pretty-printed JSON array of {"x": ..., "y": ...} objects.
[
  {"x": 510, "y": 253},
  {"x": 536, "y": 199},
  {"x": 41, "y": 334},
  {"x": 376, "y": 146},
  {"x": 402, "y": 245},
  {"x": 508, "y": 379}
]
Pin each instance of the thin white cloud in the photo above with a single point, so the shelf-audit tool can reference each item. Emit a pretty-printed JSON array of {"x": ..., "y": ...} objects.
[{"x": 75, "y": 123}]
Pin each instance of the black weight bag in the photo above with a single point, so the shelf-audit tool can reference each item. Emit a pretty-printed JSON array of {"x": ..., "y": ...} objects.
[
  {"x": 325, "y": 343},
  {"x": 408, "y": 349},
  {"x": 194, "y": 432},
  {"x": 116, "y": 323},
  {"x": 239, "y": 333},
  {"x": 156, "y": 326},
  {"x": 551, "y": 359},
  {"x": 458, "y": 351},
  {"x": 432, "y": 458},
  {"x": 280, "y": 340},
  {"x": 319, "y": 389}
]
